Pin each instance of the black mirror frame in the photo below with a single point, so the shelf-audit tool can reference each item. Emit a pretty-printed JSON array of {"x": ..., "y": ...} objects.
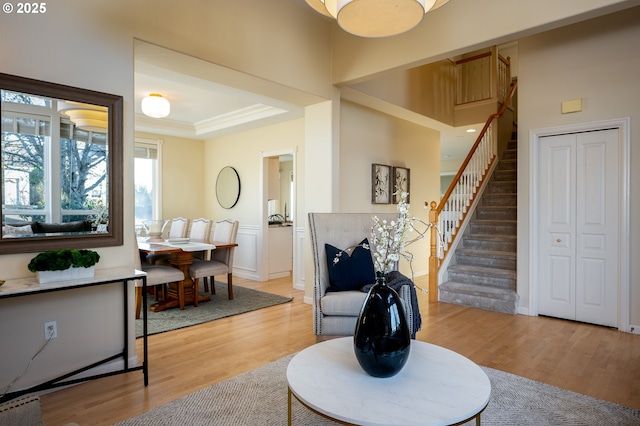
[
  {"x": 114, "y": 104},
  {"x": 237, "y": 195}
]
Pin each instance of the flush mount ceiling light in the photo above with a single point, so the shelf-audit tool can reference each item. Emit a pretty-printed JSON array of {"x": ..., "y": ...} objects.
[
  {"x": 376, "y": 18},
  {"x": 92, "y": 118},
  {"x": 155, "y": 106}
]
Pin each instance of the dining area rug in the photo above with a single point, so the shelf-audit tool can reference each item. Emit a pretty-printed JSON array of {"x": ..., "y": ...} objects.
[
  {"x": 259, "y": 398},
  {"x": 244, "y": 300}
]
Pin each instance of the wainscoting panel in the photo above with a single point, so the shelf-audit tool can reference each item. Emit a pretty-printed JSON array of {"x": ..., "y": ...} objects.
[
  {"x": 298, "y": 258},
  {"x": 246, "y": 262}
]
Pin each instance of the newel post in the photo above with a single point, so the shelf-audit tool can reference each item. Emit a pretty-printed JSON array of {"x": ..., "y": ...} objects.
[{"x": 433, "y": 255}]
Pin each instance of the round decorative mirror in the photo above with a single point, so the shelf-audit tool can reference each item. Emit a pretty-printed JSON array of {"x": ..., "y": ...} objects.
[{"x": 228, "y": 187}]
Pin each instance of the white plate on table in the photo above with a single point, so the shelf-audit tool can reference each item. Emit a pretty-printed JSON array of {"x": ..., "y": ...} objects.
[{"x": 178, "y": 240}]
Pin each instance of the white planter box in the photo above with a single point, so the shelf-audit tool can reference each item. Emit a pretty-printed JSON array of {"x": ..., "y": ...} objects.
[{"x": 66, "y": 275}]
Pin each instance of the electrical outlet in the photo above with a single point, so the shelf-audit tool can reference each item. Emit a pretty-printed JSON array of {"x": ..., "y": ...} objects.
[{"x": 50, "y": 330}]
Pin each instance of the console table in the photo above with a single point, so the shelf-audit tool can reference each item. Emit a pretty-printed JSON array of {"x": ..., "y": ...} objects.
[{"x": 29, "y": 286}]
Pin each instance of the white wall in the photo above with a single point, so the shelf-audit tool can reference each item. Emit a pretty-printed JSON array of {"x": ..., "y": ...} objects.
[
  {"x": 76, "y": 46},
  {"x": 182, "y": 176},
  {"x": 367, "y": 137},
  {"x": 90, "y": 45},
  {"x": 244, "y": 151},
  {"x": 595, "y": 61}
]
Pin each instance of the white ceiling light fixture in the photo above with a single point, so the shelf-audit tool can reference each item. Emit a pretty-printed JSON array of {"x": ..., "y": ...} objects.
[
  {"x": 376, "y": 18},
  {"x": 155, "y": 106}
]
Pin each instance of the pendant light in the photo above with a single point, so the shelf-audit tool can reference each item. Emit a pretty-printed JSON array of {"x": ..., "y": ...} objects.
[
  {"x": 376, "y": 18},
  {"x": 92, "y": 118}
]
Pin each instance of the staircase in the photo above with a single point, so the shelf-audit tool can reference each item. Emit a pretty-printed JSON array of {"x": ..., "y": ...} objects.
[{"x": 483, "y": 272}]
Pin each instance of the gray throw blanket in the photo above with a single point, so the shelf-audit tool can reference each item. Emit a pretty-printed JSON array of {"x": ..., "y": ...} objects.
[{"x": 396, "y": 280}]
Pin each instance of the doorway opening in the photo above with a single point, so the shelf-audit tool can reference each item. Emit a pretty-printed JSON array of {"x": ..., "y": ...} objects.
[{"x": 279, "y": 214}]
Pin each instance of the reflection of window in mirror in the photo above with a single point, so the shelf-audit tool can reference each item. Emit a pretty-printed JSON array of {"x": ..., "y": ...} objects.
[
  {"x": 147, "y": 180},
  {"x": 41, "y": 136}
]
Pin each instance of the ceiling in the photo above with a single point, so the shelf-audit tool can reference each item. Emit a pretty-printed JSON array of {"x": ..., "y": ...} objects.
[
  {"x": 201, "y": 107},
  {"x": 209, "y": 101}
]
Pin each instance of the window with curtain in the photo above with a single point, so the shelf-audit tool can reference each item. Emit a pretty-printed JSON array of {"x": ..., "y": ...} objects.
[{"x": 147, "y": 180}]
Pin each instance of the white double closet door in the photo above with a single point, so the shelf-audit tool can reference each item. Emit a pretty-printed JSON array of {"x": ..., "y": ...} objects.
[{"x": 578, "y": 191}]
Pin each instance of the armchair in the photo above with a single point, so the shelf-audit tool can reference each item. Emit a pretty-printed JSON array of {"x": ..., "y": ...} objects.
[{"x": 335, "y": 312}]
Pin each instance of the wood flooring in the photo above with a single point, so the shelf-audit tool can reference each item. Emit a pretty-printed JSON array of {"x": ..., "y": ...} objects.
[{"x": 588, "y": 359}]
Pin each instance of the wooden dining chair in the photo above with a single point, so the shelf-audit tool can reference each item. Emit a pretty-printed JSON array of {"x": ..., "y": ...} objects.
[
  {"x": 221, "y": 262},
  {"x": 157, "y": 276}
]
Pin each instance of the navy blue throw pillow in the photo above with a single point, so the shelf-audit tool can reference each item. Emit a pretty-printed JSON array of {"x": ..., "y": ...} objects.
[{"x": 353, "y": 270}]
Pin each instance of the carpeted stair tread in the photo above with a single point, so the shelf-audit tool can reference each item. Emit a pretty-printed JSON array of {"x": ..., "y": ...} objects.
[
  {"x": 501, "y": 213},
  {"x": 488, "y": 253},
  {"x": 483, "y": 271},
  {"x": 496, "y": 221},
  {"x": 509, "y": 164},
  {"x": 502, "y": 186},
  {"x": 493, "y": 257},
  {"x": 497, "y": 194},
  {"x": 494, "y": 237},
  {"x": 480, "y": 296},
  {"x": 498, "y": 208},
  {"x": 478, "y": 290}
]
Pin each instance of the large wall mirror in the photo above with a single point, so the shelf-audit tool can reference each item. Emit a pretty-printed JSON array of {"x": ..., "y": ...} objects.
[{"x": 61, "y": 153}]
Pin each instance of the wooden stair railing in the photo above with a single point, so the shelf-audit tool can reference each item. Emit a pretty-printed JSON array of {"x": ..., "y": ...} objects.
[
  {"x": 470, "y": 84},
  {"x": 447, "y": 217}
]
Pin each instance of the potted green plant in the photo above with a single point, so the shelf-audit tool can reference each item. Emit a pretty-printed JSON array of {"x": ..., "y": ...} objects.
[{"x": 62, "y": 265}]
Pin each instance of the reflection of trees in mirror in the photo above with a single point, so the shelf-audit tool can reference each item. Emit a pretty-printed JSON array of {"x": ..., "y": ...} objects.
[
  {"x": 30, "y": 145},
  {"x": 101, "y": 213}
]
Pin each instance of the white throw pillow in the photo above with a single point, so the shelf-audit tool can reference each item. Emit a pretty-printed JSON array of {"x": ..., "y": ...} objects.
[{"x": 13, "y": 230}]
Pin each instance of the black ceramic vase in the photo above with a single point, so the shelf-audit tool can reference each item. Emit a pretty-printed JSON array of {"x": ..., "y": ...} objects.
[{"x": 382, "y": 339}]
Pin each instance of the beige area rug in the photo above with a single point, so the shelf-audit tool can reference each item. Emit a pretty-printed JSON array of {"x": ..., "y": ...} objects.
[
  {"x": 21, "y": 412},
  {"x": 244, "y": 300},
  {"x": 259, "y": 398}
]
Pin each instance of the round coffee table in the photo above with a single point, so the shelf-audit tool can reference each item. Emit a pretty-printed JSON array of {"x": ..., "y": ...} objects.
[{"x": 436, "y": 387}]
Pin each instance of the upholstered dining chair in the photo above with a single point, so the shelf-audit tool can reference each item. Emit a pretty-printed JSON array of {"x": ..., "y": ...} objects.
[
  {"x": 201, "y": 231},
  {"x": 179, "y": 228},
  {"x": 221, "y": 262},
  {"x": 157, "y": 275}
]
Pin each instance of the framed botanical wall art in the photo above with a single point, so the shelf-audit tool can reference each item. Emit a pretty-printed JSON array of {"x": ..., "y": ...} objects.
[
  {"x": 380, "y": 184},
  {"x": 401, "y": 179}
]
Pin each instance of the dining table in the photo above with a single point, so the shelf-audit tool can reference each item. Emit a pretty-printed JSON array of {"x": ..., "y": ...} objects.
[{"x": 181, "y": 255}]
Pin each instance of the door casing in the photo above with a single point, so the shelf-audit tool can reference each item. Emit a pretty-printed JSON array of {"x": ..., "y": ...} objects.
[{"x": 624, "y": 242}]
